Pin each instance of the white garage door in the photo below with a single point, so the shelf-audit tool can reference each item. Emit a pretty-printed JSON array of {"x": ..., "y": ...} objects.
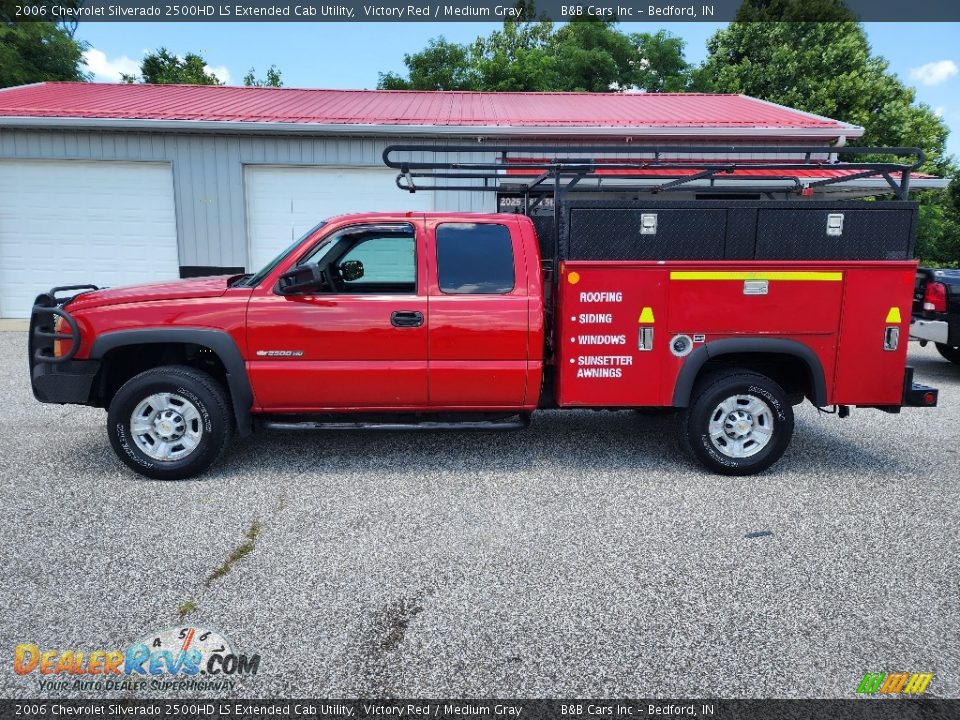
[
  {"x": 285, "y": 202},
  {"x": 70, "y": 222}
]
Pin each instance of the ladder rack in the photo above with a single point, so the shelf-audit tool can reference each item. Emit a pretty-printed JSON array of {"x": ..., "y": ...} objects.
[{"x": 538, "y": 171}]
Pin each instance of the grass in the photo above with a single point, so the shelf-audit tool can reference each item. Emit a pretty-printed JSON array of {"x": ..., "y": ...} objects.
[
  {"x": 238, "y": 553},
  {"x": 185, "y": 608}
]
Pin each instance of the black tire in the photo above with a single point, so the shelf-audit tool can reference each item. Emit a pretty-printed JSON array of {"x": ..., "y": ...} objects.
[
  {"x": 210, "y": 422},
  {"x": 949, "y": 353},
  {"x": 704, "y": 407}
]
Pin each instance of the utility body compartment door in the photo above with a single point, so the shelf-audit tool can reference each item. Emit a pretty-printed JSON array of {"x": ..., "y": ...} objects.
[
  {"x": 611, "y": 334},
  {"x": 876, "y": 305},
  {"x": 755, "y": 298}
]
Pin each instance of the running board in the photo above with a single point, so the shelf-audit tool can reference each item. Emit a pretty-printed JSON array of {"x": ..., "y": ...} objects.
[{"x": 520, "y": 423}]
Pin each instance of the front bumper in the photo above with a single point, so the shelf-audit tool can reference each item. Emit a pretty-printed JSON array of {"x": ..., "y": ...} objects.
[
  {"x": 69, "y": 382},
  {"x": 937, "y": 331},
  {"x": 54, "y": 375}
]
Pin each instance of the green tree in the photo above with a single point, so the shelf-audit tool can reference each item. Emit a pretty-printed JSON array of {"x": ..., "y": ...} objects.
[
  {"x": 271, "y": 80},
  {"x": 828, "y": 68},
  {"x": 516, "y": 58},
  {"x": 661, "y": 66},
  {"x": 164, "y": 68},
  {"x": 441, "y": 65},
  {"x": 593, "y": 56},
  {"x": 38, "y": 51},
  {"x": 585, "y": 55}
]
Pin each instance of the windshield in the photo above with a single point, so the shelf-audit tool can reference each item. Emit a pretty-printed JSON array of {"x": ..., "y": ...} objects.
[{"x": 268, "y": 268}]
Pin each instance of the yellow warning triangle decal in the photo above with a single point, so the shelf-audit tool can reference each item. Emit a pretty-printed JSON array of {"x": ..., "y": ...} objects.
[
  {"x": 646, "y": 315},
  {"x": 894, "y": 315}
]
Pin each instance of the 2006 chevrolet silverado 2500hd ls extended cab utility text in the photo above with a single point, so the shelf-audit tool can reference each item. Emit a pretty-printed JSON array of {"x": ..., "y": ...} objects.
[{"x": 413, "y": 320}]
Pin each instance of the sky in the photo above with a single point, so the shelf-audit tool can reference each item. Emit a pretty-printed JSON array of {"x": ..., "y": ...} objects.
[{"x": 350, "y": 55}]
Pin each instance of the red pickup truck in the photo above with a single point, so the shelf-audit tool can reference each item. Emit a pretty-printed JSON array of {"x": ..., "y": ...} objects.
[{"x": 403, "y": 320}]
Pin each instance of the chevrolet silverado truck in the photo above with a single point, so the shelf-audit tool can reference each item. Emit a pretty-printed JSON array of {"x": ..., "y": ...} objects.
[
  {"x": 729, "y": 311},
  {"x": 936, "y": 311}
]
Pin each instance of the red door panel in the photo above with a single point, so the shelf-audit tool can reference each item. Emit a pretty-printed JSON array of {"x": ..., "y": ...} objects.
[
  {"x": 479, "y": 343},
  {"x": 352, "y": 356},
  {"x": 338, "y": 351}
]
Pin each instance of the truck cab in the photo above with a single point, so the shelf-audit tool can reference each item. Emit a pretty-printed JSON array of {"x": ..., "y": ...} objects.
[{"x": 400, "y": 313}]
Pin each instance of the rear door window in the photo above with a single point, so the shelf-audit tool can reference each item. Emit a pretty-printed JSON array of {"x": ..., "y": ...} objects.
[{"x": 475, "y": 259}]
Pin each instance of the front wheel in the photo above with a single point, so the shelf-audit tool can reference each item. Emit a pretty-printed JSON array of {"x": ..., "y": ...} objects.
[
  {"x": 949, "y": 353},
  {"x": 738, "y": 422},
  {"x": 169, "y": 423}
]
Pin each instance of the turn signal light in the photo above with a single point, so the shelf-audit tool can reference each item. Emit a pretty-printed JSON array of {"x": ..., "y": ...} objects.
[
  {"x": 58, "y": 349},
  {"x": 935, "y": 297}
]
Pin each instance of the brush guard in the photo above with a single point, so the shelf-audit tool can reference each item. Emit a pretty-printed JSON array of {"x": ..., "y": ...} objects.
[{"x": 43, "y": 332}]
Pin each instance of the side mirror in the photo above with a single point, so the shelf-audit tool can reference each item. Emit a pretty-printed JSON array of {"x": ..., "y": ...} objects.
[
  {"x": 300, "y": 279},
  {"x": 351, "y": 270}
]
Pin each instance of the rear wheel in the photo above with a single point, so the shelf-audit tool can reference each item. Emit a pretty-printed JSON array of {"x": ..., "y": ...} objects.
[
  {"x": 949, "y": 353},
  {"x": 169, "y": 423},
  {"x": 738, "y": 422}
]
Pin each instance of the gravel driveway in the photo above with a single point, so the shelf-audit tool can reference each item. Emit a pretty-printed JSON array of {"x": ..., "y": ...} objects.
[{"x": 582, "y": 557}]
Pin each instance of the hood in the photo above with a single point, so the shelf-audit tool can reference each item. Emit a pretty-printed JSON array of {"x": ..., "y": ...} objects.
[{"x": 152, "y": 292}]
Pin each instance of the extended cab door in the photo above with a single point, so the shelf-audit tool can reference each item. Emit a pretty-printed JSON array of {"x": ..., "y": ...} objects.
[
  {"x": 352, "y": 343},
  {"x": 479, "y": 314}
]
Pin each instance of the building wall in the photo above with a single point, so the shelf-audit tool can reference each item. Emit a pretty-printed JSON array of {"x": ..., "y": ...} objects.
[{"x": 208, "y": 175}]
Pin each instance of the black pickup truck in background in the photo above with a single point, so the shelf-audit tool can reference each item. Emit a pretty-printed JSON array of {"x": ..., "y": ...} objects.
[{"x": 936, "y": 311}]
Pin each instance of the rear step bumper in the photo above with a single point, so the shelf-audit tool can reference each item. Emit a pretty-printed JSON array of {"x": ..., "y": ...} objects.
[{"x": 917, "y": 394}]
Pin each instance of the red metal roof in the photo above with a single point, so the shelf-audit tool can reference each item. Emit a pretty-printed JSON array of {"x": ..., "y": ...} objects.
[{"x": 645, "y": 112}]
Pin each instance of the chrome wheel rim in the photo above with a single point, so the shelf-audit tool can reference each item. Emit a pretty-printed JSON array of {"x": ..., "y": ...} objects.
[
  {"x": 741, "y": 426},
  {"x": 166, "y": 427}
]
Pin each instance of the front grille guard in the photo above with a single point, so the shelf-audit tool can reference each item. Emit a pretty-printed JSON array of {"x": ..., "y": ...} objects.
[{"x": 43, "y": 334}]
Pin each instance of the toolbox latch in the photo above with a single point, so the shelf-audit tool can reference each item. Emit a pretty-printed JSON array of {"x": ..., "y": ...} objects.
[
  {"x": 755, "y": 287},
  {"x": 648, "y": 224},
  {"x": 835, "y": 224}
]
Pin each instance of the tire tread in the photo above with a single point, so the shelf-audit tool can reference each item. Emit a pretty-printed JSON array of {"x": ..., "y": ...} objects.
[
  {"x": 704, "y": 387},
  {"x": 213, "y": 388}
]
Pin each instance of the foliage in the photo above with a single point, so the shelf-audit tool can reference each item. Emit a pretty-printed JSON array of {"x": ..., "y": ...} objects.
[
  {"x": 38, "y": 51},
  {"x": 828, "y": 68},
  {"x": 938, "y": 232},
  {"x": 662, "y": 67},
  {"x": 584, "y": 55},
  {"x": 793, "y": 11},
  {"x": 164, "y": 68},
  {"x": 441, "y": 65},
  {"x": 271, "y": 80}
]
